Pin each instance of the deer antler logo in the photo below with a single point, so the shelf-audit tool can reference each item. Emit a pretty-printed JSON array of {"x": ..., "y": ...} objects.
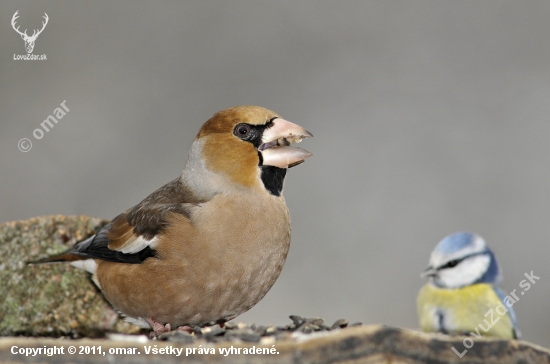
[{"x": 29, "y": 41}]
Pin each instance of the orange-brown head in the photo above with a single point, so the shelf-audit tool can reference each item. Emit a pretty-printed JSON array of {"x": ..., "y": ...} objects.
[{"x": 244, "y": 146}]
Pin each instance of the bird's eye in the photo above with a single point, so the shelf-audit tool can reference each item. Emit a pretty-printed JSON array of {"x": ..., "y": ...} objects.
[
  {"x": 452, "y": 263},
  {"x": 242, "y": 130}
]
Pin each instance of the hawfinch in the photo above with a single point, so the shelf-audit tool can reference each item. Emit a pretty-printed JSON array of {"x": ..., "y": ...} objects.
[{"x": 207, "y": 246}]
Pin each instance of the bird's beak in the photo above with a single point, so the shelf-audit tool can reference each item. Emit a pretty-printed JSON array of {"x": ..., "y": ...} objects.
[
  {"x": 276, "y": 150},
  {"x": 428, "y": 272}
]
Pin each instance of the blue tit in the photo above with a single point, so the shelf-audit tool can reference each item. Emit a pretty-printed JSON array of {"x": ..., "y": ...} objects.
[{"x": 461, "y": 296}]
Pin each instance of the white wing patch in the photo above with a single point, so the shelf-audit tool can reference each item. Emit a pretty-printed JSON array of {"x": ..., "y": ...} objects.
[
  {"x": 89, "y": 265},
  {"x": 138, "y": 245}
]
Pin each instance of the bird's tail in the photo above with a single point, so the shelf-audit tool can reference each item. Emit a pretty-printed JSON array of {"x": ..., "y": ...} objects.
[{"x": 63, "y": 257}]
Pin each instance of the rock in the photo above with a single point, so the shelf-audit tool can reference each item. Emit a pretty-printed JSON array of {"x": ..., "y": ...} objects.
[
  {"x": 51, "y": 299},
  {"x": 362, "y": 344}
]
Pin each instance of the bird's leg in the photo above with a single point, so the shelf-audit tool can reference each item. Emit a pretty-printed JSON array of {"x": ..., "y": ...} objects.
[{"x": 157, "y": 327}]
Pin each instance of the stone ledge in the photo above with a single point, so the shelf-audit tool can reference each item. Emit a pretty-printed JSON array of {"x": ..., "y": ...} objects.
[{"x": 366, "y": 344}]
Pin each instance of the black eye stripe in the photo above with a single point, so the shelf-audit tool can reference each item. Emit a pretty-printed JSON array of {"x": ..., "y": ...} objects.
[
  {"x": 250, "y": 133},
  {"x": 452, "y": 263},
  {"x": 455, "y": 262}
]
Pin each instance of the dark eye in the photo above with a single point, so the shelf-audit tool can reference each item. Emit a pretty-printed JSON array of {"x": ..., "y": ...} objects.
[
  {"x": 242, "y": 130},
  {"x": 451, "y": 264}
]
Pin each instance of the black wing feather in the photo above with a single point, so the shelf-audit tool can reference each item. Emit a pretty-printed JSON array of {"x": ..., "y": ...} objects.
[{"x": 97, "y": 247}]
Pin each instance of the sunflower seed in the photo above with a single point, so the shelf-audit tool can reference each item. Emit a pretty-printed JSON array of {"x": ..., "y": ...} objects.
[{"x": 341, "y": 323}]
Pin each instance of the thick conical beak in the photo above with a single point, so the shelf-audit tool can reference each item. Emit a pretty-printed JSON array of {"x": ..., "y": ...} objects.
[{"x": 276, "y": 150}]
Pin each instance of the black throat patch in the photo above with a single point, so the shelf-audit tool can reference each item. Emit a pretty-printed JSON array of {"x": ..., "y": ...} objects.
[{"x": 273, "y": 179}]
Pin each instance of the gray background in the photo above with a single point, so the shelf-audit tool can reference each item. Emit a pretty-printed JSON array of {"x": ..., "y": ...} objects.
[{"x": 429, "y": 117}]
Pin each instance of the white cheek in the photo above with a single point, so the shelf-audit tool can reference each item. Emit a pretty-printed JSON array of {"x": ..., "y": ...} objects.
[{"x": 465, "y": 273}]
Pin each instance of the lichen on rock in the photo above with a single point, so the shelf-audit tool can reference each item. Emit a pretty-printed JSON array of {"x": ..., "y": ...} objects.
[{"x": 51, "y": 299}]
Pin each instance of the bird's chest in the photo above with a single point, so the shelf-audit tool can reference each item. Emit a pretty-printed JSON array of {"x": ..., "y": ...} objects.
[
  {"x": 243, "y": 229},
  {"x": 460, "y": 310},
  {"x": 242, "y": 239},
  {"x": 242, "y": 249}
]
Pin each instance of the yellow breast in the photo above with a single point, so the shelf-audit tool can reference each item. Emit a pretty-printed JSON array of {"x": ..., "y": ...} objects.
[{"x": 474, "y": 310}]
